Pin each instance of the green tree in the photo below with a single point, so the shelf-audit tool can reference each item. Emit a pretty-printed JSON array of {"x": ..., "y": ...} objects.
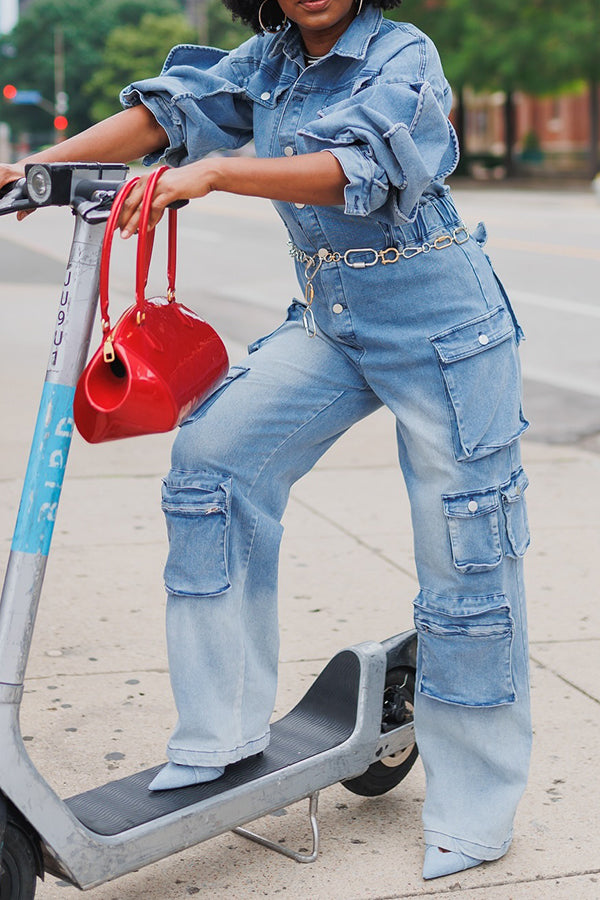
[
  {"x": 578, "y": 55},
  {"x": 133, "y": 52},
  {"x": 501, "y": 45},
  {"x": 507, "y": 46},
  {"x": 27, "y": 54},
  {"x": 222, "y": 31},
  {"x": 443, "y": 22}
]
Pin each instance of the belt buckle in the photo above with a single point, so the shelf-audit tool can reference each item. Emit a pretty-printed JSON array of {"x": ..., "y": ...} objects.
[{"x": 361, "y": 265}]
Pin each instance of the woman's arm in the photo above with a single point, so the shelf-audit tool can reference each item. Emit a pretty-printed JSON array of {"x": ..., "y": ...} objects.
[
  {"x": 121, "y": 138},
  {"x": 313, "y": 178}
]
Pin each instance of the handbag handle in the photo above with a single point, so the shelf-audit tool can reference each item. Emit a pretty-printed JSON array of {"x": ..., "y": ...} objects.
[
  {"x": 144, "y": 253},
  {"x": 111, "y": 226},
  {"x": 146, "y": 242}
]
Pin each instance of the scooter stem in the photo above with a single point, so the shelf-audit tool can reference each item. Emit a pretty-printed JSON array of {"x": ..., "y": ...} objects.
[{"x": 49, "y": 451}]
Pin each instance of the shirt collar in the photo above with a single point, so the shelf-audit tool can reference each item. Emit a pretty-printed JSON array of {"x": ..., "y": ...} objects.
[{"x": 353, "y": 43}]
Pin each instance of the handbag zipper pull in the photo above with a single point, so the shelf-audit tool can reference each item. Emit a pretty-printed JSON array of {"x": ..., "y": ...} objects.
[{"x": 108, "y": 351}]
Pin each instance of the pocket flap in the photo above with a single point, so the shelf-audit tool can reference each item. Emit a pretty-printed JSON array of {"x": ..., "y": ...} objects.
[
  {"x": 515, "y": 488},
  {"x": 183, "y": 494},
  {"x": 515, "y": 513},
  {"x": 473, "y": 337},
  {"x": 471, "y": 504},
  {"x": 264, "y": 89},
  {"x": 462, "y": 608}
]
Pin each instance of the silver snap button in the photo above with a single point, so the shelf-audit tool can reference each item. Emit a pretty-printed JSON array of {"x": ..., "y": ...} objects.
[
  {"x": 299, "y": 205},
  {"x": 337, "y": 308},
  {"x": 289, "y": 151},
  {"x": 484, "y": 339},
  {"x": 473, "y": 506},
  {"x": 266, "y": 95}
]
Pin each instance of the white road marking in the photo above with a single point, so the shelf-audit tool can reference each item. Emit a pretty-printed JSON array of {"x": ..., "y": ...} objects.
[
  {"x": 557, "y": 304},
  {"x": 567, "y": 382}
]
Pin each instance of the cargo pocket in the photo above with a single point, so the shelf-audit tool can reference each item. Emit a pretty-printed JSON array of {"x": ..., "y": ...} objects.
[
  {"x": 474, "y": 527},
  {"x": 197, "y": 511},
  {"x": 481, "y": 371},
  {"x": 514, "y": 508},
  {"x": 464, "y": 649}
]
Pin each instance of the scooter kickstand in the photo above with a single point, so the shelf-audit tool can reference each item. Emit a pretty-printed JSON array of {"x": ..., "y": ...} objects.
[{"x": 292, "y": 854}]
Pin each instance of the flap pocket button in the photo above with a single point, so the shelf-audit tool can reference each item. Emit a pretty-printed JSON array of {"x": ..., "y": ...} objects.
[
  {"x": 483, "y": 339},
  {"x": 266, "y": 95},
  {"x": 473, "y": 506}
]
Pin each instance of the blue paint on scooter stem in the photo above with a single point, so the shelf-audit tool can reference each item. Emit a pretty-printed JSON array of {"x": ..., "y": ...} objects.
[{"x": 45, "y": 470}]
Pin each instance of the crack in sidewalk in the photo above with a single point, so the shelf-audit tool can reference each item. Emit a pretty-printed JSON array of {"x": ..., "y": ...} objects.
[
  {"x": 454, "y": 888},
  {"x": 358, "y": 540},
  {"x": 562, "y": 678}
]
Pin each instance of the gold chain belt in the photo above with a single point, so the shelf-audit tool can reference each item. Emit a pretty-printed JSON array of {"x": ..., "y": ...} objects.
[{"x": 459, "y": 235}]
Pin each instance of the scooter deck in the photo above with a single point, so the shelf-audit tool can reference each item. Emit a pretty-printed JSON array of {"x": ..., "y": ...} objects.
[{"x": 324, "y": 718}]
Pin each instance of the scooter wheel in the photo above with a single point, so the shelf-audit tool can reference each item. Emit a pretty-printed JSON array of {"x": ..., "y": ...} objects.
[
  {"x": 398, "y": 708},
  {"x": 18, "y": 866}
]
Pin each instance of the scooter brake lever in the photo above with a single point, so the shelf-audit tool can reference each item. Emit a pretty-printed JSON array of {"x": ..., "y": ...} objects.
[
  {"x": 98, "y": 211},
  {"x": 14, "y": 197},
  {"x": 95, "y": 200}
]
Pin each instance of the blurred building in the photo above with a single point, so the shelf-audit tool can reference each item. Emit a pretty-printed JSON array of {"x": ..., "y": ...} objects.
[
  {"x": 557, "y": 127},
  {"x": 552, "y": 134}
]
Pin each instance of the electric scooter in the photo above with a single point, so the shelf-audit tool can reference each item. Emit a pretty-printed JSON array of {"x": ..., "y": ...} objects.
[{"x": 354, "y": 725}]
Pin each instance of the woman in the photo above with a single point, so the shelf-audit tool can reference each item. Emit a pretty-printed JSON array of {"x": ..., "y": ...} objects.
[{"x": 349, "y": 114}]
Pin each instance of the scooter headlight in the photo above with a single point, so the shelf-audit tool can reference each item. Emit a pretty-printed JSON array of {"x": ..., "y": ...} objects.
[{"x": 39, "y": 184}]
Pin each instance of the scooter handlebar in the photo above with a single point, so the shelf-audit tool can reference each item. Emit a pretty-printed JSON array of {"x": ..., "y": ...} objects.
[
  {"x": 14, "y": 197},
  {"x": 97, "y": 194}
]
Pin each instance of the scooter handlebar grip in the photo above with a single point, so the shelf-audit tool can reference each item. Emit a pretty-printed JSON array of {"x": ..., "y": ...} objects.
[{"x": 14, "y": 197}]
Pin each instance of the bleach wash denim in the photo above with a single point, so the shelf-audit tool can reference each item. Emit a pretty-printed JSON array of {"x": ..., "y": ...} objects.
[{"x": 433, "y": 337}]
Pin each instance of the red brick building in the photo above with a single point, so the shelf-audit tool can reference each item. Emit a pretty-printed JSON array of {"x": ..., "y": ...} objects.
[{"x": 552, "y": 134}]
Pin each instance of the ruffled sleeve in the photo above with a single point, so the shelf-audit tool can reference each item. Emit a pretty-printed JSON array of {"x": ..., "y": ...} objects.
[
  {"x": 199, "y": 101},
  {"x": 393, "y": 140}
]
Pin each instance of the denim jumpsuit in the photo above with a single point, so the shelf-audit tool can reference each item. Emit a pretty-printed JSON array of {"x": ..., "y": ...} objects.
[{"x": 399, "y": 306}]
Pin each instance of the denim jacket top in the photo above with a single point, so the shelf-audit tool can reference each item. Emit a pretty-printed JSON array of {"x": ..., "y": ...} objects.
[{"x": 378, "y": 101}]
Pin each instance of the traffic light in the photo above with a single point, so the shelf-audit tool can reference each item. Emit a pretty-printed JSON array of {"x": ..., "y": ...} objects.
[
  {"x": 9, "y": 92},
  {"x": 61, "y": 123}
]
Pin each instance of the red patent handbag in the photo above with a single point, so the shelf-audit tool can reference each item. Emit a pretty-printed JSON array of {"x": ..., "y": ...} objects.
[{"x": 160, "y": 361}]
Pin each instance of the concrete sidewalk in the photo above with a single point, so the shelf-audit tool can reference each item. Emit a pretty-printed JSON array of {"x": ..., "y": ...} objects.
[{"x": 98, "y": 704}]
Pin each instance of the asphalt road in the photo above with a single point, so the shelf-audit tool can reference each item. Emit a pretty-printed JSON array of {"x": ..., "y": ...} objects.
[{"x": 235, "y": 269}]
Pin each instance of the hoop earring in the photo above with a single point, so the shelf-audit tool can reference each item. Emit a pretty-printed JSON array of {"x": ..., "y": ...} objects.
[
  {"x": 358, "y": 11},
  {"x": 272, "y": 30}
]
